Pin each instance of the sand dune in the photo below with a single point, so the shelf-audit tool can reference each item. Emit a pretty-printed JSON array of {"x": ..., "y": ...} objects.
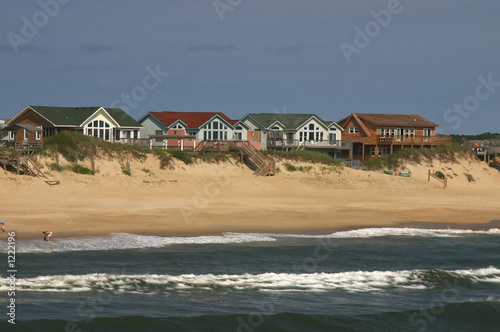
[{"x": 226, "y": 197}]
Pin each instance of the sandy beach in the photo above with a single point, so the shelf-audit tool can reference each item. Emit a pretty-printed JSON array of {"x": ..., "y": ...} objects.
[{"x": 213, "y": 198}]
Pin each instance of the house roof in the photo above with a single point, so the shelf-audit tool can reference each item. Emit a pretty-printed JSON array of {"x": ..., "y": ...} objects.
[
  {"x": 191, "y": 119},
  {"x": 123, "y": 119},
  {"x": 65, "y": 116},
  {"x": 290, "y": 121},
  {"x": 75, "y": 116},
  {"x": 26, "y": 126},
  {"x": 393, "y": 120}
]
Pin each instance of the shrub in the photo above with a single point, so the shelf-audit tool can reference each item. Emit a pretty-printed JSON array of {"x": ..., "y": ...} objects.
[
  {"x": 439, "y": 175},
  {"x": 444, "y": 153},
  {"x": 183, "y": 156},
  {"x": 82, "y": 170},
  {"x": 289, "y": 167},
  {"x": 74, "y": 146},
  {"x": 165, "y": 158},
  {"x": 58, "y": 168},
  {"x": 469, "y": 177},
  {"x": 305, "y": 156}
]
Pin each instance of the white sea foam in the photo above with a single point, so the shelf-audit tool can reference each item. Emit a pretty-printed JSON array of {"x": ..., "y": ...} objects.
[
  {"x": 392, "y": 231},
  {"x": 354, "y": 281},
  {"x": 119, "y": 241},
  {"x": 131, "y": 241}
]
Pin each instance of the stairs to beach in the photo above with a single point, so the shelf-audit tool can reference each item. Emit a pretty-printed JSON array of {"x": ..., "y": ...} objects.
[
  {"x": 265, "y": 166},
  {"x": 24, "y": 165}
]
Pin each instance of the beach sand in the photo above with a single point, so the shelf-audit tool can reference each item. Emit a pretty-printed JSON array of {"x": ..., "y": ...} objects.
[{"x": 206, "y": 198}]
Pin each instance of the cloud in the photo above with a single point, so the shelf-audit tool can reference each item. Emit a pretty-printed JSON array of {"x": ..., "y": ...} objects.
[
  {"x": 86, "y": 67},
  {"x": 22, "y": 48},
  {"x": 293, "y": 49},
  {"x": 95, "y": 48},
  {"x": 212, "y": 48}
]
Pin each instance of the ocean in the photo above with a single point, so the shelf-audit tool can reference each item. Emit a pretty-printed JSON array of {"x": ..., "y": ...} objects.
[{"x": 374, "y": 279}]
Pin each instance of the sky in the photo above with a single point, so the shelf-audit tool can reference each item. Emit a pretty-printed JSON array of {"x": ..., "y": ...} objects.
[{"x": 436, "y": 58}]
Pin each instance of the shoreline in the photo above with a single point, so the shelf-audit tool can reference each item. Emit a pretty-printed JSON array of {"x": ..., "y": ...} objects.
[
  {"x": 493, "y": 224},
  {"x": 209, "y": 198}
]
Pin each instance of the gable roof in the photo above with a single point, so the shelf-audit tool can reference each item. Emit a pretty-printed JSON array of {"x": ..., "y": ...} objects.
[
  {"x": 65, "y": 116},
  {"x": 75, "y": 116},
  {"x": 290, "y": 121},
  {"x": 123, "y": 119},
  {"x": 393, "y": 120},
  {"x": 191, "y": 119}
]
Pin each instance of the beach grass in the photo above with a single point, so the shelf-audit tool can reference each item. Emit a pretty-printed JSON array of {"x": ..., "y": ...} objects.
[{"x": 444, "y": 153}]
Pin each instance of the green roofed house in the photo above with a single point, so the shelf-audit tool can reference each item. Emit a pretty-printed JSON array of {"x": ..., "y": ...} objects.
[
  {"x": 298, "y": 131},
  {"x": 35, "y": 123}
]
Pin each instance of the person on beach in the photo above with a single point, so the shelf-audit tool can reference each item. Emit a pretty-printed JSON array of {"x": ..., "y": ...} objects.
[
  {"x": 47, "y": 235},
  {"x": 394, "y": 172},
  {"x": 2, "y": 226}
]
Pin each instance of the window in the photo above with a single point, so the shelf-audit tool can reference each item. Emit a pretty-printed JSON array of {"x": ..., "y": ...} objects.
[
  {"x": 158, "y": 132},
  {"x": 12, "y": 135},
  {"x": 427, "y": 134},
  {"x": 38, "y": 135},
  {"x": 99, "y": 128},
  {"x": 311, "y": 133},
  {"x": 353, "y": 130},
  {"x": 215, "y": 130},
  {"x": 26, "y": 135}
]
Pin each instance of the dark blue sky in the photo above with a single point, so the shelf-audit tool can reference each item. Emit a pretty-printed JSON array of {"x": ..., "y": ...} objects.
[{"x": 439, "y": 58}]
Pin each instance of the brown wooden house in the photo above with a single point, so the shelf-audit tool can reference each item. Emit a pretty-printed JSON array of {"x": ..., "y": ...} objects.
[
  {"x": 30, "y": 127},
  {"x": 375, "y": 135}
]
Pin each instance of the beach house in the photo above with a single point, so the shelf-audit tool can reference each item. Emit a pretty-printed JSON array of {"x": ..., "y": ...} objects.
[
  {"x": 184, "y": 130},
  {"x": 3, "y": 134},
  {"x": 35, "y": 123},
  {"x": 297, "y": 131},
  {"x": 375, "y": 135}
]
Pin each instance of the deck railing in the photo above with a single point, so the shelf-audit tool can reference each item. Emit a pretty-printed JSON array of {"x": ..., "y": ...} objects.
[
  {"x": 24, "y": 146},
  {"x": 417, "y": 140},
  {"x": 311, "y": 144}
]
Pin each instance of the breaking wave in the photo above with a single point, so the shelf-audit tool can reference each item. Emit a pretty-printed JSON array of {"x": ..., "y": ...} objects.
[{"x": 354, "y": 281}]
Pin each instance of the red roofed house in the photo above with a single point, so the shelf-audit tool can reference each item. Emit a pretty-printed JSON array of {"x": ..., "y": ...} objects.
[
  {"x": 184, "y": 130},
  {"x": 375, "y": 135}
]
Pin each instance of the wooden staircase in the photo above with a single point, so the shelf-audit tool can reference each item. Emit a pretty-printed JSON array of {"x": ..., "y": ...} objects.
[
  {"x": 25, "y": 165},
  {"x": 265, "y": 165}
]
